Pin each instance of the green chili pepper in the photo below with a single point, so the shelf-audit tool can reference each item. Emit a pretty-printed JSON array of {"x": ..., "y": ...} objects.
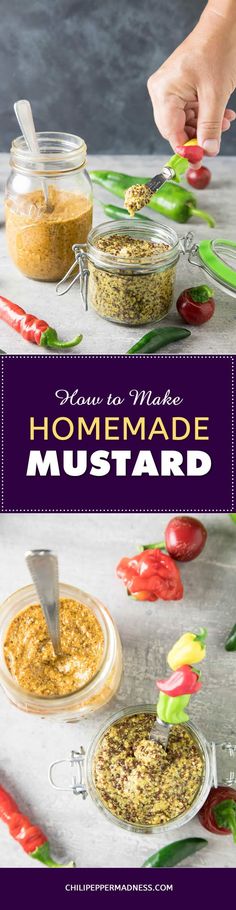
[
  {"x": 158, "y": 338},
  {"x": 170, "y": 708},
  {"x": 230, "y": 644},
  {"x": 171, "y": 200},
  {"x": 117, "y": 214},
  {"x": 174, "y": 853}
]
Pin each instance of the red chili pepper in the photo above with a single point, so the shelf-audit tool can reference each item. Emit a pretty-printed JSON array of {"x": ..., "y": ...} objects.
[
  {"x": 29, "y": 836},
  {"x": 196, "y": 305},
  {"x": 219, "y": 811},
  {"x": 199, "y": 178},
  {"x": 193, "y": 153},
  {"x": 151, "y": 576},
  {"x": 185, "y": 537},
  {"x": 32, "y": 329},
  {"x": 184, "y": 681}
]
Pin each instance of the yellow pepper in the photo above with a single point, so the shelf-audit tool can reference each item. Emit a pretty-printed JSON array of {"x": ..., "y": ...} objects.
[{"x": 189, "y": 649}]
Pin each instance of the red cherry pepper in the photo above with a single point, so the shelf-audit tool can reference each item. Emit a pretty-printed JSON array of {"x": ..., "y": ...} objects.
[
  {"x": 184, "y": 681},
  {"x": 196, "y": 305},
  {"x": 200, "y": 178},
  {"x": 194, "y": 153},
  {"x": 185, "y": 537},
  {"x": 219, "y": 811},
  {"x": 151, "y": 576},
  {"x": 29, "y": 836},
  {"x": 32, "y": 329}
]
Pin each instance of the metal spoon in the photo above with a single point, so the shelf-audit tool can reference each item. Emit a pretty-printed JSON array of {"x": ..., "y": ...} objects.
[
  {"x": 156, "y": 182},
  {"x": 43, "y": 567},
  {"x": 23, "y": 112}
]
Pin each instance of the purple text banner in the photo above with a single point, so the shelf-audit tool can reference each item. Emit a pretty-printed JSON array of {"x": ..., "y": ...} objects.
[{"x": 117, "y": 433}]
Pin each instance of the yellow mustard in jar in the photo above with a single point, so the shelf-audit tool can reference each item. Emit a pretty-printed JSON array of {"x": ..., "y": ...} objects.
[
  {"x": 48, "y": 204},
  {"x": 40, "y": 240},
  {"x": 30, "y": 657}
]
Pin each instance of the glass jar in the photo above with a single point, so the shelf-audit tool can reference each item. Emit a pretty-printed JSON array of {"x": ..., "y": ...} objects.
[
  {"x": 219, "y": 767},
  {"x": 138, "y": 292},
  {"x": 48, "y": 204},
  {"x": 129, "y": 291},
  {"x": 94, "y": 694}
]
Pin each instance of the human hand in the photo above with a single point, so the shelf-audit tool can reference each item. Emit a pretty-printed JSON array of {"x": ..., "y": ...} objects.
[{"x": 190, "y": 91}]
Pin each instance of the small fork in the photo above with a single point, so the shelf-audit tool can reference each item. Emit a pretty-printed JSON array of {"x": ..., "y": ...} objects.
[{"x": 159, "y": 733}]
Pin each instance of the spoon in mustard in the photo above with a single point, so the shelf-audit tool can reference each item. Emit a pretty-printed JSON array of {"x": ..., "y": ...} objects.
[
  {"x": 43, "y": 567},
  {"x": 23, "y": 112}
]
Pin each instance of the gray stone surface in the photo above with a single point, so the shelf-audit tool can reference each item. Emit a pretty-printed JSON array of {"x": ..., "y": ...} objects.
[
  {"x": 66, "y": 314},
  {"x": 28, "y": 744},
  {"x": 84, "y": 67}
]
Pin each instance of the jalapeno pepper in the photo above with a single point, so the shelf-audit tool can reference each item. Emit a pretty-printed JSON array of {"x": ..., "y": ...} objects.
[
  {"x": 171, "y": 200},
  {"x": 230, "y": 644},
  {"x": 174, "y": 853},
  {"x": 32, "y": 329},
  {"x": 29, "y": 836},
  {"x": 158, "y": 338},
  {"x": 118, "y": 214}
]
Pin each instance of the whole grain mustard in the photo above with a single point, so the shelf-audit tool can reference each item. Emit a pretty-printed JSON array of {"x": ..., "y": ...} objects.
[
  {"x": 138, "y": 780},
  {"x": 136, "y": 286}
]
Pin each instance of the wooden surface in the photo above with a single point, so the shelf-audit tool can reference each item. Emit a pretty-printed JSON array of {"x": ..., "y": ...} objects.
[
  {"x": 89, "y": 547},
  {"x": 66, "y": 314}
]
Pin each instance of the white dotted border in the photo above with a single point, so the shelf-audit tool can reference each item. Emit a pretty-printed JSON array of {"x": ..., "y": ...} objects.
[{"x": 117, "y": 357}]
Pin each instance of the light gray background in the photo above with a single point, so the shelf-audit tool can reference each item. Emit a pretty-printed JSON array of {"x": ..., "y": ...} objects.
[
  {"x": 84, "y": 66},
  {"x": 89, "y": 547}
]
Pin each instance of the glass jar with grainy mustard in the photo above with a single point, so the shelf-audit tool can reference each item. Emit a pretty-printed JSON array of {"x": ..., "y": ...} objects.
[
  {"x": 48, "y": 204},
  {"x": 127, "y": 271},
  {"x": 137, "y": 783},
  {"x": 82, "y": 678}
]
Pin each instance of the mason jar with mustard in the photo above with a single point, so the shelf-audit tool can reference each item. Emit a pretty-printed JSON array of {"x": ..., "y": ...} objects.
[
  {"x": 78, "y": 680},
  {"x": 48, "y": 204}
]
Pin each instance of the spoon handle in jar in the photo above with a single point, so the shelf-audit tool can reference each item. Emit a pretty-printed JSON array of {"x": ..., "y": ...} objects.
[
  {"x": 43, "y": 567},
  {"x": 23, "y": 112}
]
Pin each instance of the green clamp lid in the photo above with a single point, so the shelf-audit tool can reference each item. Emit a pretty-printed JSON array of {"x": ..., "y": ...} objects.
[{"x": 209, "y": 252}]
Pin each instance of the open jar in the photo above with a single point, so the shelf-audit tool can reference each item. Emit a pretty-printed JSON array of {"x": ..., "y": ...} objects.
[
  {"x": 139, "y": 291},
  {"x": 40, "y": 236},
  {"x": 103, "y": 683},
  {"x": 218, "y": 766},
  {"x": 127, "y": 271}
]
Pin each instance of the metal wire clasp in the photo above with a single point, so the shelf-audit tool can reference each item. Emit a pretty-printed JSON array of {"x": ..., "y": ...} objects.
[
  {"x": 224, "y": 764},
  {"x": 76, "y": 762},
  {"x": 82, "y": 273}
]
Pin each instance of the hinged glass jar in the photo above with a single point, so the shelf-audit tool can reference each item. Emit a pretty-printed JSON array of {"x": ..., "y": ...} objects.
[
  {"x": 40, "y": 233},
  {"x": 134, "y": 283},
  {"x": 94, "y": 694},
  {"x": 218, "y": 760},
  {"x": 138, "y": 291}
]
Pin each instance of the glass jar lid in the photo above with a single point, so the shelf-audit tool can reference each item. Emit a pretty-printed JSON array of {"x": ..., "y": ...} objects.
[{"x": 217, "y": 258}]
